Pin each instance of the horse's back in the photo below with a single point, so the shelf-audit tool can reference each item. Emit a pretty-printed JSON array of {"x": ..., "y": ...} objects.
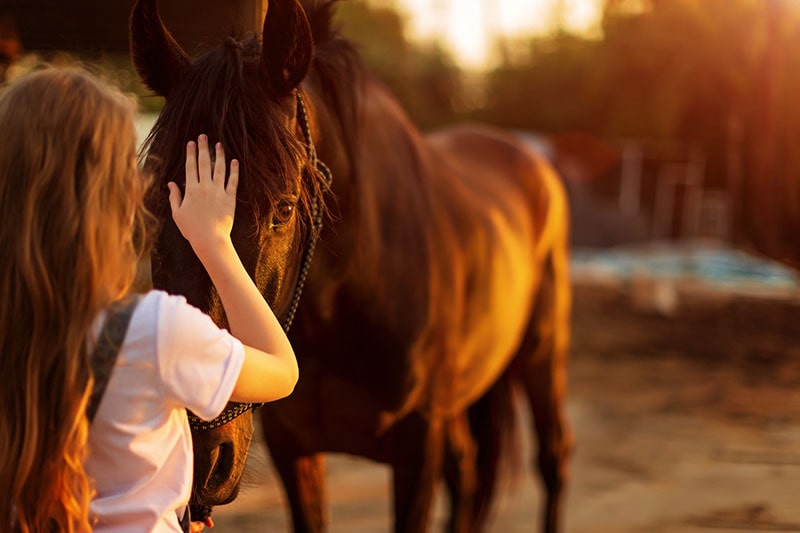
[
  {"x": 486, "y": 159},
  {"x": 504, "y": 206}
]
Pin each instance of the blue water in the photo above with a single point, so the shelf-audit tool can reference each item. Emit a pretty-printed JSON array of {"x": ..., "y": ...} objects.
[{"x": 719, "y": 266}]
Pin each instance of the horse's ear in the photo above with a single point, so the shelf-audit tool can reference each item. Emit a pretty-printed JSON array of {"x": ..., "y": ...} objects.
[
  {"x": 158, "y": 58},
  {"x": 287, "y": 46}
]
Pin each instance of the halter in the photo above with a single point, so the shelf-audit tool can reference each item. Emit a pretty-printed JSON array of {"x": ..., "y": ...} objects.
[{"x": 237, "y": 409}]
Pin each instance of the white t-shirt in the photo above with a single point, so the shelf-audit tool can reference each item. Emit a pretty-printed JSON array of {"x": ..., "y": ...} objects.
[{"x": 140, "y": 449}]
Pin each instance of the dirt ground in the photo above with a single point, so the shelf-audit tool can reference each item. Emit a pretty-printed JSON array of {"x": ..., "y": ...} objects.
[{"x": 683, "y": 423}]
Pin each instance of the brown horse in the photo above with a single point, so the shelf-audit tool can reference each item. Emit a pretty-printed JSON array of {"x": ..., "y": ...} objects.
[{"x": 441, "y": 278}]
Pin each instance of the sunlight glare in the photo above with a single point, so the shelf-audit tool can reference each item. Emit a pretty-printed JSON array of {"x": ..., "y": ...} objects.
[{"x": 468, "y": 27}]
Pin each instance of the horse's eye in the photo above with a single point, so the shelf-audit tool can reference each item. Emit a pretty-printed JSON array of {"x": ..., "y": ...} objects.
[{"x": 283, "y": 214}]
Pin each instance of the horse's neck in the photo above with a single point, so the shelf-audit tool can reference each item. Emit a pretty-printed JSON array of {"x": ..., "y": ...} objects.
[
  {"x": 394, "y": 171},
  {"x": 384, "y": 228}
]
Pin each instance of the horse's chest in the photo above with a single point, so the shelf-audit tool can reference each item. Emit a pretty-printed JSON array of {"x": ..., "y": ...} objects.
[{"x": 333, "y": 415}]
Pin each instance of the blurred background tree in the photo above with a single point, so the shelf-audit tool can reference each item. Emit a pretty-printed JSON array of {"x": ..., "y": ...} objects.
[{"x": 422, "y": 76}]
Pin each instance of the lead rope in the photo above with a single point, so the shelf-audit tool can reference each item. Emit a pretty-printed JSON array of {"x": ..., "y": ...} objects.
[{"x": 238, "y": 409}]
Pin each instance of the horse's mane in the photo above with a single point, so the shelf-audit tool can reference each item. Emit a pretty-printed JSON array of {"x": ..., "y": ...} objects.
[
  {"x": 337, "y": 71},
  {"x": 402, "y": 189}
]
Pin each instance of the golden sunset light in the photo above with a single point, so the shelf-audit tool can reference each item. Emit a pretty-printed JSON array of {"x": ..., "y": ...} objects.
[
  {"x": 469, "y": 28},
  {"x": 400, "y": 265}
]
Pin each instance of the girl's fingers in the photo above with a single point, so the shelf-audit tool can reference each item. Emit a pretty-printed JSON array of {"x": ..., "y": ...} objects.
[
  {"x": 175, "y": 199},
  {"x": 191, "y": 163},
  {"x": 203, "y": 159},
  {"x": 233, "y": 178},
  {"x": 219, "y": 166}
]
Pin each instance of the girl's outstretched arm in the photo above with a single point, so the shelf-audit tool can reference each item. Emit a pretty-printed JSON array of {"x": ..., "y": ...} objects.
[{"x": 204, "y": 216}]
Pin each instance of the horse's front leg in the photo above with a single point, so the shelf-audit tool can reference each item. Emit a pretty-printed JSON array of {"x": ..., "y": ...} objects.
[
  {"x": 417, "y": 446},
  {"x": 302, "y": 474}
]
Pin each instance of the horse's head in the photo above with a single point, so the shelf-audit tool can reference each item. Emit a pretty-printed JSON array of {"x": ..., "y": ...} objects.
[{"x": 245, "y": 94}]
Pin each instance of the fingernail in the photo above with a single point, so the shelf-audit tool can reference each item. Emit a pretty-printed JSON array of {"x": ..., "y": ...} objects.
[
  {"x": 219, "y": 146},
  {"x": 234, "y": 163},
  {"x": 191, "y": 144},
  {"x": 203, "y": 139}
]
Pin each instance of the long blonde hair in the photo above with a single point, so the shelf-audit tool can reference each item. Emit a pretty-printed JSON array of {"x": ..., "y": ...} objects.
[{"x": 71, "y": 199}]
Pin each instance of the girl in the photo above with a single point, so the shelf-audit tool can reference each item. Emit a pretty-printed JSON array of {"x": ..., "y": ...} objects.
[{"x": 71, "y": 199}]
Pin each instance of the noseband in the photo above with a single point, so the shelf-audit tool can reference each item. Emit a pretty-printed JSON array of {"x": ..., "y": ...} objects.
[{"x": 237, "y": 409}]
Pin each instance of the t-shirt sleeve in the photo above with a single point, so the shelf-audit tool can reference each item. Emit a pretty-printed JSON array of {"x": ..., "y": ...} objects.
[{"x": 198, "y": 362}]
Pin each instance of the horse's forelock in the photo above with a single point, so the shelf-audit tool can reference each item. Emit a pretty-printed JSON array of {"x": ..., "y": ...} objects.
[{"x": 222, "y": 96}]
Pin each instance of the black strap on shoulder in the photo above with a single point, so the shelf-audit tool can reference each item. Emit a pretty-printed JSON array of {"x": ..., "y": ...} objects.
[
  {"x": 107, "y": 350},
  {"x": 186, "y": 521}
]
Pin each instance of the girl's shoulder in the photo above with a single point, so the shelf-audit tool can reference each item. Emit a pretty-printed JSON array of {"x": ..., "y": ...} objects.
[
  {"x": 173, "y": 313},
  {"x": 162, "y": 319},
  {"x": 178, "y": 326},
  {"x": 160, "y": 304}
]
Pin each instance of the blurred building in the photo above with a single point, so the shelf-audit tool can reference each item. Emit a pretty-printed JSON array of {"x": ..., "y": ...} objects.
[{"x": 101, "y": 26}]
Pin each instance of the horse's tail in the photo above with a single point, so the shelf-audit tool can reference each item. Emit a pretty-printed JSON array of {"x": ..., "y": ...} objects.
[{"x": 493, "y": 426}]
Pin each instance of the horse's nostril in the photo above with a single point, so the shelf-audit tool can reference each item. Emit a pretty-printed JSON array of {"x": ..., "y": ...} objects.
[{"x": 222, "y": 464}]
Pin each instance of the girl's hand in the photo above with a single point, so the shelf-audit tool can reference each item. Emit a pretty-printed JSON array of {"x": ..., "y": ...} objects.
[{"x": 204, "y": 215}]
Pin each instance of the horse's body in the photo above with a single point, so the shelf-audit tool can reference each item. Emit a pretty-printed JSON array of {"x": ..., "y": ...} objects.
[
  {"x": 441, "y": 280},
  {"x": 419, "y": 303}
]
